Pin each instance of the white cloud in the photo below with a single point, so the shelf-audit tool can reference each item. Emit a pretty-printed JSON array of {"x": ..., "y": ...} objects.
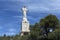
[
  {"x": 41, "y": 5},
  {"x": 17, "y": 16},
  {"x": 34, "y": 8},
  {"x": 10, "y": 33},
  {"x": 29, "y": 17},
  {"x": 12, "y": 30},
  {"x": 37, "y": 5},
  {"x": 32, "y": 18},
  {"x": 25, "y": 1}
]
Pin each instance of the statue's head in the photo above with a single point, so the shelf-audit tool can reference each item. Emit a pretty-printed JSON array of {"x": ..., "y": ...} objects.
[{"x": 24, "y": 6}]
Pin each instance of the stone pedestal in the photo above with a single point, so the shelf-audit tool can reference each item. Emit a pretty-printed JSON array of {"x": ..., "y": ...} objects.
[{"x": 25, "y": 27}]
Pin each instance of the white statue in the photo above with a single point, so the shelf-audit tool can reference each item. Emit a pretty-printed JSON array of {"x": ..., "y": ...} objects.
[
  {"x": 24, "y": 9},
  {"x": 25, "y": 22}
]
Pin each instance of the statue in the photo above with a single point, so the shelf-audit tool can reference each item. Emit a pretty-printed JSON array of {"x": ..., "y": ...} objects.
[
  {"x": 24, "y": 9},
  {"x": 25, "y": 23}
]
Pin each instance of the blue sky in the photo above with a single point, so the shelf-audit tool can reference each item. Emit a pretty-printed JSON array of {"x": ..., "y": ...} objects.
[{"x": 11, "y": 14}]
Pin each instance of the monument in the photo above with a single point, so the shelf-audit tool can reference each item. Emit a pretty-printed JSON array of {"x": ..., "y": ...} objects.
[{"x": 25, "y": 23}]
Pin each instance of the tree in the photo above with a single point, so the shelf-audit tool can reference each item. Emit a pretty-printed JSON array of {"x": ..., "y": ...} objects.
[
  {"x": 35, "y": 32},
  {"x": 49, "y": 22},
  {"x": 52, "y": 20},
  {"x": 4, "y": 35},
  {"x": 55, "y": 35},
  {"x": 42, "y": 22}
]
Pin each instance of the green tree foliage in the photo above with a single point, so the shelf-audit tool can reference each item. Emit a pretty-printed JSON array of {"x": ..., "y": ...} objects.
[
  {"x": 55, "y": 35},
  {"x": 36, "y": 30},
  {"x": 50, "y": 21}
]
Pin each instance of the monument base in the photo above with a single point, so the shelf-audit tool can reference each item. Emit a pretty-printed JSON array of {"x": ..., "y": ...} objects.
[{"x": 25, "y": 33}]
